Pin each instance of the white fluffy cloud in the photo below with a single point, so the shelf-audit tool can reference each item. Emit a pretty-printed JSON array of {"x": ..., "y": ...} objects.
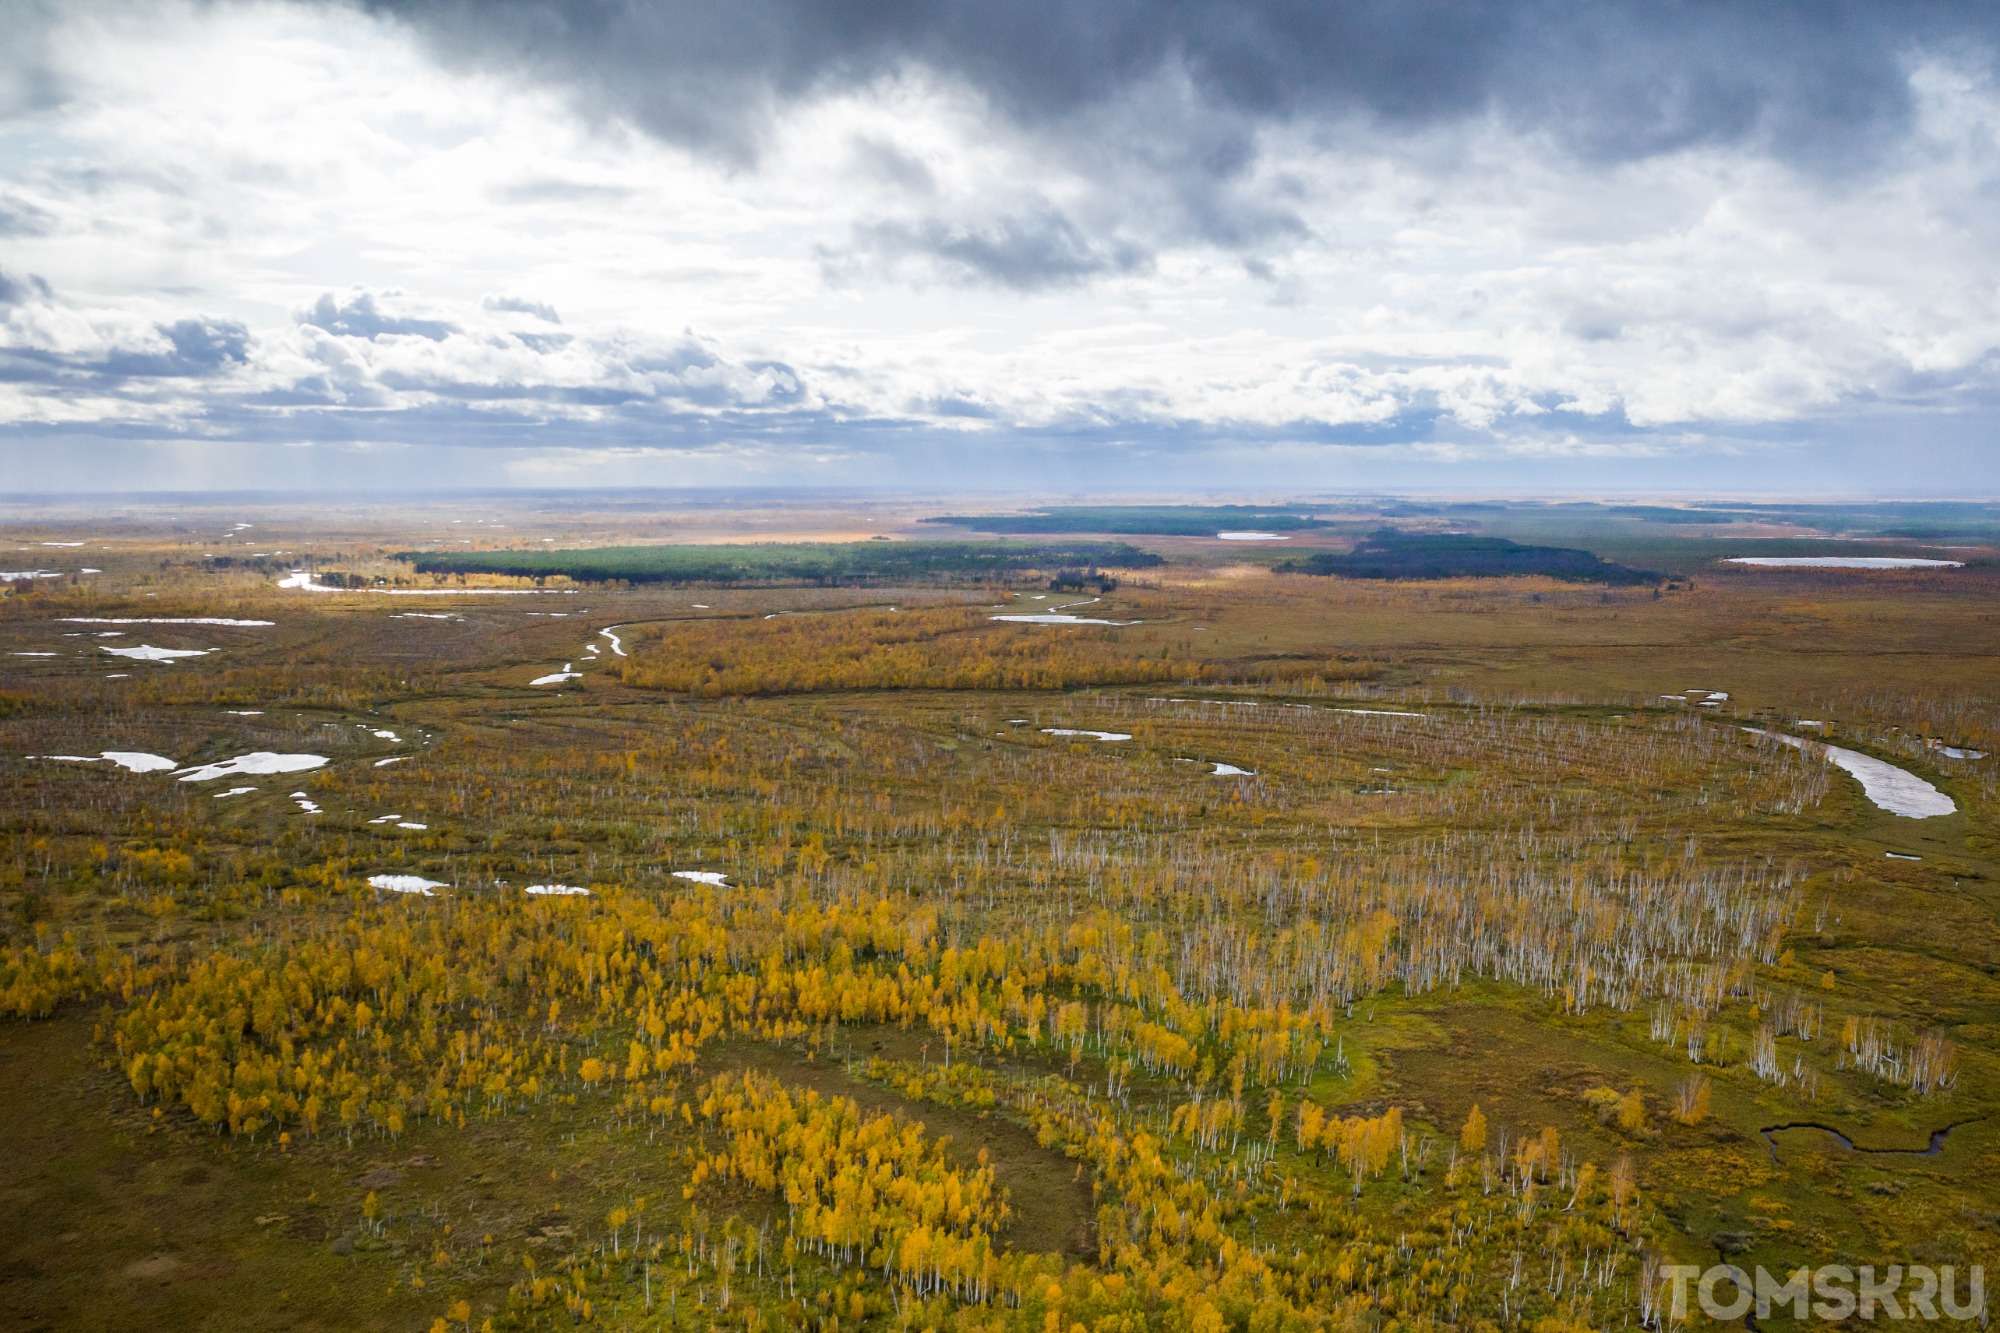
[{"x": 275, "y": 223}]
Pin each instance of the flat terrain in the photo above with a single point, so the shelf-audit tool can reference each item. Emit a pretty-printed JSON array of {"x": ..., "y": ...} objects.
[{"x": 1500, "y": 843}]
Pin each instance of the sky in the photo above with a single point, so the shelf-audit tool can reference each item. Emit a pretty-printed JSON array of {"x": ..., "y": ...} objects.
[{"x": 1085, "y": 246}]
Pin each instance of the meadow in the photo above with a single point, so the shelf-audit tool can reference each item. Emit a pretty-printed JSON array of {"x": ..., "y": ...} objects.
[{"x": 1289, "y": 952}]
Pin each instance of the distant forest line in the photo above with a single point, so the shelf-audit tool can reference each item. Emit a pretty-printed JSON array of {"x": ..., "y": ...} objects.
[
  {"x": 818, "y": 563},
  {"x": 1389, "y": 554}
]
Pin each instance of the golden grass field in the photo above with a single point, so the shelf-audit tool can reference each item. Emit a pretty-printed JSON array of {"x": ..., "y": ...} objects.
[{"x": 987, "y": 1026}]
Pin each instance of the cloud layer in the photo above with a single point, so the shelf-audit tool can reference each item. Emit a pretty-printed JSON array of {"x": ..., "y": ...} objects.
[{"x": 909, "y": 242}]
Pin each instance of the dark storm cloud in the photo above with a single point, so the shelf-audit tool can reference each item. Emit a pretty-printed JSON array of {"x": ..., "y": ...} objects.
[
  {"x": 197, "y": 347},
  {"x": 360, "y": 316},
  {"x": 1022, "y": 252},
  {"x": 1818, "y": 82},
  {"x": 19, "y": 291}
]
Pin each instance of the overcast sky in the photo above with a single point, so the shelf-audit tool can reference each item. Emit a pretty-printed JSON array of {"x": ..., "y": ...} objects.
[{"x": 1093, "y": 244}]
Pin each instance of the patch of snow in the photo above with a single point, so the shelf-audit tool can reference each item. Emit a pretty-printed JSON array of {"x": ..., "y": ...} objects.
[
  {"x": 1100, "y": 735},
  {"x": 715, "y": 877},
  {"x": 1841, "y": 562},
  {"x": 1054, "y": 618},
  {"x": 1901, "y": 856},
  {"x": 1252, "y": 537},
  {"x": 389, "y": 736},
  {"x": 406, "y": 884},
  {"x": 257, "y": 762},
  {"x": 34, "y": 654},
  {"x": 306, "y": 802},
  {"x": 65, "y": 758},
  {"x": 62, "y": 543},
  {"x": 160, "y": 620},
  {"x": 617, "y": 644},
  {"x": 12, "y": 576},
  {"x": 384, "y": 763},
  {"x": 558, "y": 677},
  {"x": 1954, "y": 751},
  {"x": 146, "y": 652},
  {"x": 385, "y": 819},
  {"x": 1230, "y": 771},
  {"x": 1896, "y": 790},
  {"x": 556, "y": 890},
  {"x": 1380, "y": 712},
  {"x": 234, "y": 791},
  {"x": 244, "y": 712},
  {"x": 407, "y": 824},
  {"x": 138, "y": 761}
]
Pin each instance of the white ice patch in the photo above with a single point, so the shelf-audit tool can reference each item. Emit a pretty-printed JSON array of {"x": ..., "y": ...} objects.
[
  {"x": 257, "y": 762},
  {"x": 1954, "y": 751},
  {"x": 138, "y": 761},
  {"x": 715, "y": 877},
  {"x": 558, "y": 677},
  {"x": 617, "y": 644},
  {"x": 1896, "y": 790},
  {"x": 384, "y": 763},
  {"x": 244, "y": 712},
  {"x": 235, "y": 791},
  {"x": 406, "y": 884},
  {"x": 146, "y": 652},
  {"x": 34, "y": 654},
  {"x": 1841, "y": 562},
  {"x": 1380, "y": 712},
  {"x": 1901, "y": 856},
  {"x": 556, "y": 891},
  {"x": 1220, "y": 769},
  {"x": 305, "y": 803},
  {"x": 1052, "y": 618},
  {"x": 1099, "y": 735},
  {"x": 14, "y": 576},
  {"x": 160, "y": 620},
  {"x": 408, "y": 824},
  {"x": 385, "y": 819},
  {"x": 1252, "y": 537},
  {"x": 388, "y": 736}
]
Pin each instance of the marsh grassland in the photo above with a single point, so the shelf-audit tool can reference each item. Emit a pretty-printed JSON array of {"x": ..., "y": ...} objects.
[{"x": 1495, "y": 980}]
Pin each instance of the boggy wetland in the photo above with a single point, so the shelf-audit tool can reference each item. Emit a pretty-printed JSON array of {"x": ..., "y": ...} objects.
[{"x": 409, "y": 924}]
